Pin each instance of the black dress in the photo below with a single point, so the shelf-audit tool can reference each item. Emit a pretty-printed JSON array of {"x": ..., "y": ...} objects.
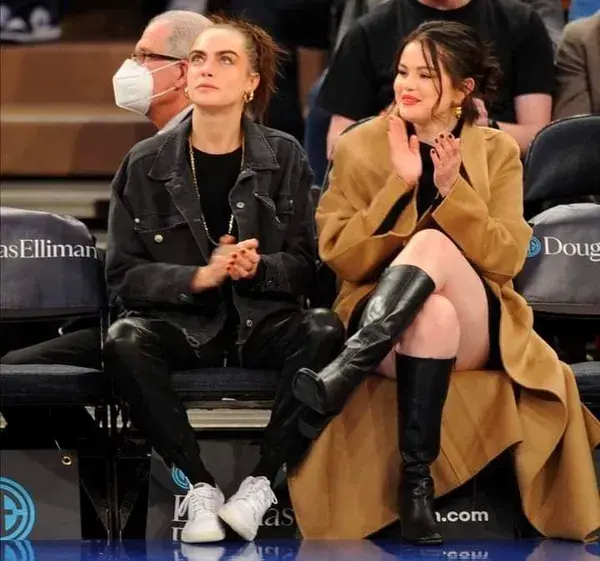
[{"x": 429, "y": 197}]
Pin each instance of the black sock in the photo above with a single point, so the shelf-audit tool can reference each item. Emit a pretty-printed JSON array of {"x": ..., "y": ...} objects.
[
  {"x": 195, "y": 470},
  {"x": 267, "y": 467}
]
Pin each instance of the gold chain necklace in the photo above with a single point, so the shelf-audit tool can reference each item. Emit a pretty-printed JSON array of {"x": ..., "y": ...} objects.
[{"x": 195, "y": 177}]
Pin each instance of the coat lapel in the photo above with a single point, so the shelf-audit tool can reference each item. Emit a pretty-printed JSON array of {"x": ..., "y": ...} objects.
[{"x": 474, "y": 158}]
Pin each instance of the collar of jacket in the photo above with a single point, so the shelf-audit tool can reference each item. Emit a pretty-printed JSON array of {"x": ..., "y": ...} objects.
[{"x": 173, "y": 155}]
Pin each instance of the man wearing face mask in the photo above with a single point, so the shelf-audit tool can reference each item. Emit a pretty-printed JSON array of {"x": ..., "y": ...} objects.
[{"x": 151, "y": 82}]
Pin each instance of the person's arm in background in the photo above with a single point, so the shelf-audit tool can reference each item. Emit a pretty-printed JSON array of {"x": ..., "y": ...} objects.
[
  {"x": 535, "y": 82},
  {"x": 572, "y": 83},
  {"x": 348, "y": 92}
]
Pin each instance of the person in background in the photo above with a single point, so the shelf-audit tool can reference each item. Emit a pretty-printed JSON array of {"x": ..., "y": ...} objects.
[
  {"x": 151, "y": 83},
  {"x": 553, "y": 16},
  {"x": 358, "y": 82},
  {"x": 302, "y": 28},
  {"x": 578, "y": 69},
  {"x": 211, "y": 256},
  {"x": 422, "y": 222}
]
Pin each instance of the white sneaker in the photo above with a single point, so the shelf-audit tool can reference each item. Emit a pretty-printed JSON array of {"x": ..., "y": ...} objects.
[
  {"x": 202, "y": 503},
  {"x": 203, "y": 552},
  {"x": 245, "y": 510}
]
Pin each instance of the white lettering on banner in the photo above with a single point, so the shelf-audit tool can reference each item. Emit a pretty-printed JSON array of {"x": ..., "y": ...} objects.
[
  {"x": 453, "y": 516},
  {"x": 278, "y": 518},
  {"x": 554, "y": 246},
  {"x": 465, "y": 554},
  {"x": 46, "y": 249}
]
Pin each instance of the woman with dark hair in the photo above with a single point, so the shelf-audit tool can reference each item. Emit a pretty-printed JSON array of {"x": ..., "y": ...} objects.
[
  {"x": 422, "y": 223},
  {"x": 211, "y": 252}
]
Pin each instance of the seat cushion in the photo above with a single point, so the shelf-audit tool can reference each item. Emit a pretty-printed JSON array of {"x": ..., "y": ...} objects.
[
  {"x": 587, "y": 375},
  {"x": 222, "y": 383},
  {"x": 43, "y": 384}
]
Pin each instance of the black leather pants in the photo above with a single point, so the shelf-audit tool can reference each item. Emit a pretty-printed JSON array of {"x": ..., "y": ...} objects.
[{"x": 142, "y": 354}]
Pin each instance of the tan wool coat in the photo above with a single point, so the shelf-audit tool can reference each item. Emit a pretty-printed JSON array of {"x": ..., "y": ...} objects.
[{"x": 348, "y": 485}]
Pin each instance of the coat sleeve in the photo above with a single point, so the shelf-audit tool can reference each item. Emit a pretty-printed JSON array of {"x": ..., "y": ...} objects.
[
  {"x": 348, "y": 221},
  {"x": 131, "y": 275},
  {"x": 494, "y": 235},
  {"x": 292, "y": 272}
]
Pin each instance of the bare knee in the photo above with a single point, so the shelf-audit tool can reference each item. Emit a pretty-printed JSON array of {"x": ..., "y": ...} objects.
[{"x": 434, "y": 333}]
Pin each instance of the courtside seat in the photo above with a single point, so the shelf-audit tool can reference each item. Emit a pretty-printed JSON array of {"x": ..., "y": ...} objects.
[
  {"x": 587, "y": 375},
  {"x": 560, "y": 278},
  {"x": 225, "y": 384},
  {"x": 42, "y": 384}
]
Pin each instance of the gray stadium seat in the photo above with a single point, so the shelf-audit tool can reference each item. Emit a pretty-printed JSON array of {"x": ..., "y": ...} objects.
[{"x": 561, "y": 278}]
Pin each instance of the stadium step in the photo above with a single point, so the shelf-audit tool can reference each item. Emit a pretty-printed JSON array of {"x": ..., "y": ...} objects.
[
  {"x": 62, "y": 140},
  {"x": 75, "y": 198},
  {"x": 58, "y": 117}
]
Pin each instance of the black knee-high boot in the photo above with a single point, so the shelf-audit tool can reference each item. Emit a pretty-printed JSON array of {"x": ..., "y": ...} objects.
[
  {"x": 401, "y": 292},
  {"x": 422, "y": 389}
]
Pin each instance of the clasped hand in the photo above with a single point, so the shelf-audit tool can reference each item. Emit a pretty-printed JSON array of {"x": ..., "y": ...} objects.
[
  {"x": 232, "y": 260},
  {"x": 236, "y": 260},
  {"x": 406, "y": 157}
]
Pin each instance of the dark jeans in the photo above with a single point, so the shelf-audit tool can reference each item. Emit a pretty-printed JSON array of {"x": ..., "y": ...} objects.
[
  {"x": 63, "y": 424},
  {"x": 142, "y": 354}
]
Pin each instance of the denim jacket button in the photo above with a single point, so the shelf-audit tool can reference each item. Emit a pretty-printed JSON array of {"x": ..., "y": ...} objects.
[{"x": 158, "y": 238}]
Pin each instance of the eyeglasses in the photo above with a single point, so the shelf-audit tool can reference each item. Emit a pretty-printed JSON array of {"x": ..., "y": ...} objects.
[{"x": 142, "y": 57}]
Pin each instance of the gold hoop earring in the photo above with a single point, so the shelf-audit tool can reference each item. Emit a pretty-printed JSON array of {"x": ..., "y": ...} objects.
[
  {"x": 248, "y": 97},
  {"x": 457, "y": 110}
]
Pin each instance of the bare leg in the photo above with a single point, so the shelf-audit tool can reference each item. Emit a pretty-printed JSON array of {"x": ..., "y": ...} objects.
[{"x": 454, "y": 320}]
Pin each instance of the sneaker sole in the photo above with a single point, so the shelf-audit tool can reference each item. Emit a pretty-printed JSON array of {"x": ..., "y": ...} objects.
[
  {"x": 216, "y": 535},
  {"x": 230, "y": 518}
]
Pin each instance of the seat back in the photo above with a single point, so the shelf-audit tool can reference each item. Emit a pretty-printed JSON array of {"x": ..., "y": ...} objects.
[
  {"x": 50, "y": 267},
  {"x": 561, "y": 275},
  {"x": 563, "y": 164}
]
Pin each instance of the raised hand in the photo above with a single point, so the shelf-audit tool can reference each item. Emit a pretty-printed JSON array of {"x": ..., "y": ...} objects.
[
  {"x": 404, "y": 152},
  {"x": 446, "y": 158}
]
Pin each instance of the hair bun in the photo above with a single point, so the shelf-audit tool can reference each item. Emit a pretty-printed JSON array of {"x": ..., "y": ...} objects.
[{"x": 490, "y": 74}]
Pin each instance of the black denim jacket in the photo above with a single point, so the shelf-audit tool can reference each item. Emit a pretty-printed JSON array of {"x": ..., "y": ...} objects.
[{"x": 156, "y": 239}]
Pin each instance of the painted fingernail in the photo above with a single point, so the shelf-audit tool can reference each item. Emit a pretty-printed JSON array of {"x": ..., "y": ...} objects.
[
  {"x": 450, "y": 135},
  {"x": 437, "y": 140},
  {"x": 442, "y": 135}
]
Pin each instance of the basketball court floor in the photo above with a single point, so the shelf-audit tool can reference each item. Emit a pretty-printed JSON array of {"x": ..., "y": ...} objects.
[{"x": 294, "y": 550}]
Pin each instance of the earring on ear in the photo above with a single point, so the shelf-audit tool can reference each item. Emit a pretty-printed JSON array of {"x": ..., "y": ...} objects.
[
  {"x": 457, "y": 110},
  {"x": 248, "y": 96},
  {"x": 186, "y": 92}
]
